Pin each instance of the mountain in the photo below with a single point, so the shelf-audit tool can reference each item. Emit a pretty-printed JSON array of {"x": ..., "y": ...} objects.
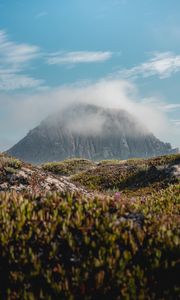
[{"x": 90, "y": 132}]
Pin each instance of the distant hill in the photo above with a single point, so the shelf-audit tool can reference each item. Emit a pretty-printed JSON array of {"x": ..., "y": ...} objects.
[{"x": 90, "y": 132}]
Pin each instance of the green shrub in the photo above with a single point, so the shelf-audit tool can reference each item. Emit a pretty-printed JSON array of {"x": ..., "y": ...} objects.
[
  {"x": 73, "y": 247},
  {"x": 10, "y": 170},
  {"x": 6, "y": 161}
]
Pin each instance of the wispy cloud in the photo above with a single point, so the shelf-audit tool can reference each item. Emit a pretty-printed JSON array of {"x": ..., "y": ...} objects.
[
  {"x": 41, "y": 14},
  {"x": 162, "y": 65},
  {"x": 78, "y": 57},
  {"x": 176, "y": 122},
  {"x": 13, "y": 81},
  {"x": 171, "y": 107},
  {"x": 15, "y": 54},
  {"x": 14, "y": 59}
]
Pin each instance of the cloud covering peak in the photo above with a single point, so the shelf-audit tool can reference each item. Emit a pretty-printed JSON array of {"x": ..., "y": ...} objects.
[{"x": 28, "y": 111}]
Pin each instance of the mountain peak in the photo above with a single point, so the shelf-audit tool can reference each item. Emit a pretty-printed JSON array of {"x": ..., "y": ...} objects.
[{"x": 89, "y": 131}]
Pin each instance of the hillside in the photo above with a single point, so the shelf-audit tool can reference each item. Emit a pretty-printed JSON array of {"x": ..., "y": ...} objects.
[
  {"x": 15, "y": 175},
  {"x": 133, "y": 176},
  {"x": 90, "y": 132},
  {"x": 107, "y": 230}
]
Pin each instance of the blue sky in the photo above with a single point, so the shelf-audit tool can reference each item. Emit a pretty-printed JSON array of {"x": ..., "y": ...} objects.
[{"x": 54, "y": 50}]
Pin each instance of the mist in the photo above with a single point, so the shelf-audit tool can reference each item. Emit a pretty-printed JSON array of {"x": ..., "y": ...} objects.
[{"x": 25, "y": 112}]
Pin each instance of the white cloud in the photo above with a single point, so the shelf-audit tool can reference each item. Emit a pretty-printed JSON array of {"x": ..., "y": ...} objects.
[
  {"x": 78, "y": 57},
  {"x": 162, "y": 65},
  {"x": 12, "y": 81},
  {"x": 14, "y": 59},
  {"x": 15, "y": 54},
  {"x": 171, "y": 107},
  {"x": 26, "y": 112}
]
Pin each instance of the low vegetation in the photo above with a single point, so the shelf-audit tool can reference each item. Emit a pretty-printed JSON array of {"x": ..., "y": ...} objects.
[
  {"x": 9, "y": 162},
  {"x": 68, "y": 167},
  {"x": 71, "y": 247},
  {"x": 156, "y": 161},
  {"x": 136, "y": 176},
  {"x": 119, "y": 240}
]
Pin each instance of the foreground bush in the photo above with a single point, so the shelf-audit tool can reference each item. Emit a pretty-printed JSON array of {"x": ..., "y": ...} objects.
[{"x": 69, "y": 247}]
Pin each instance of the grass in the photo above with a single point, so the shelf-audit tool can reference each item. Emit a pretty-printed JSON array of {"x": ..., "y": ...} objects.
[
  {"x": 71, "y": 247},
  {"x": 68, "y": 167}
]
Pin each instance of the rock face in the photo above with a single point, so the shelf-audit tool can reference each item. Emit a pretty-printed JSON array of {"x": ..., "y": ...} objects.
[{"x": 90, "y": 132}]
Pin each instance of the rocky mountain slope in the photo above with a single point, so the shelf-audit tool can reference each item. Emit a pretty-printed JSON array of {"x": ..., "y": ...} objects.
[{"x": 90, "y": 132}]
